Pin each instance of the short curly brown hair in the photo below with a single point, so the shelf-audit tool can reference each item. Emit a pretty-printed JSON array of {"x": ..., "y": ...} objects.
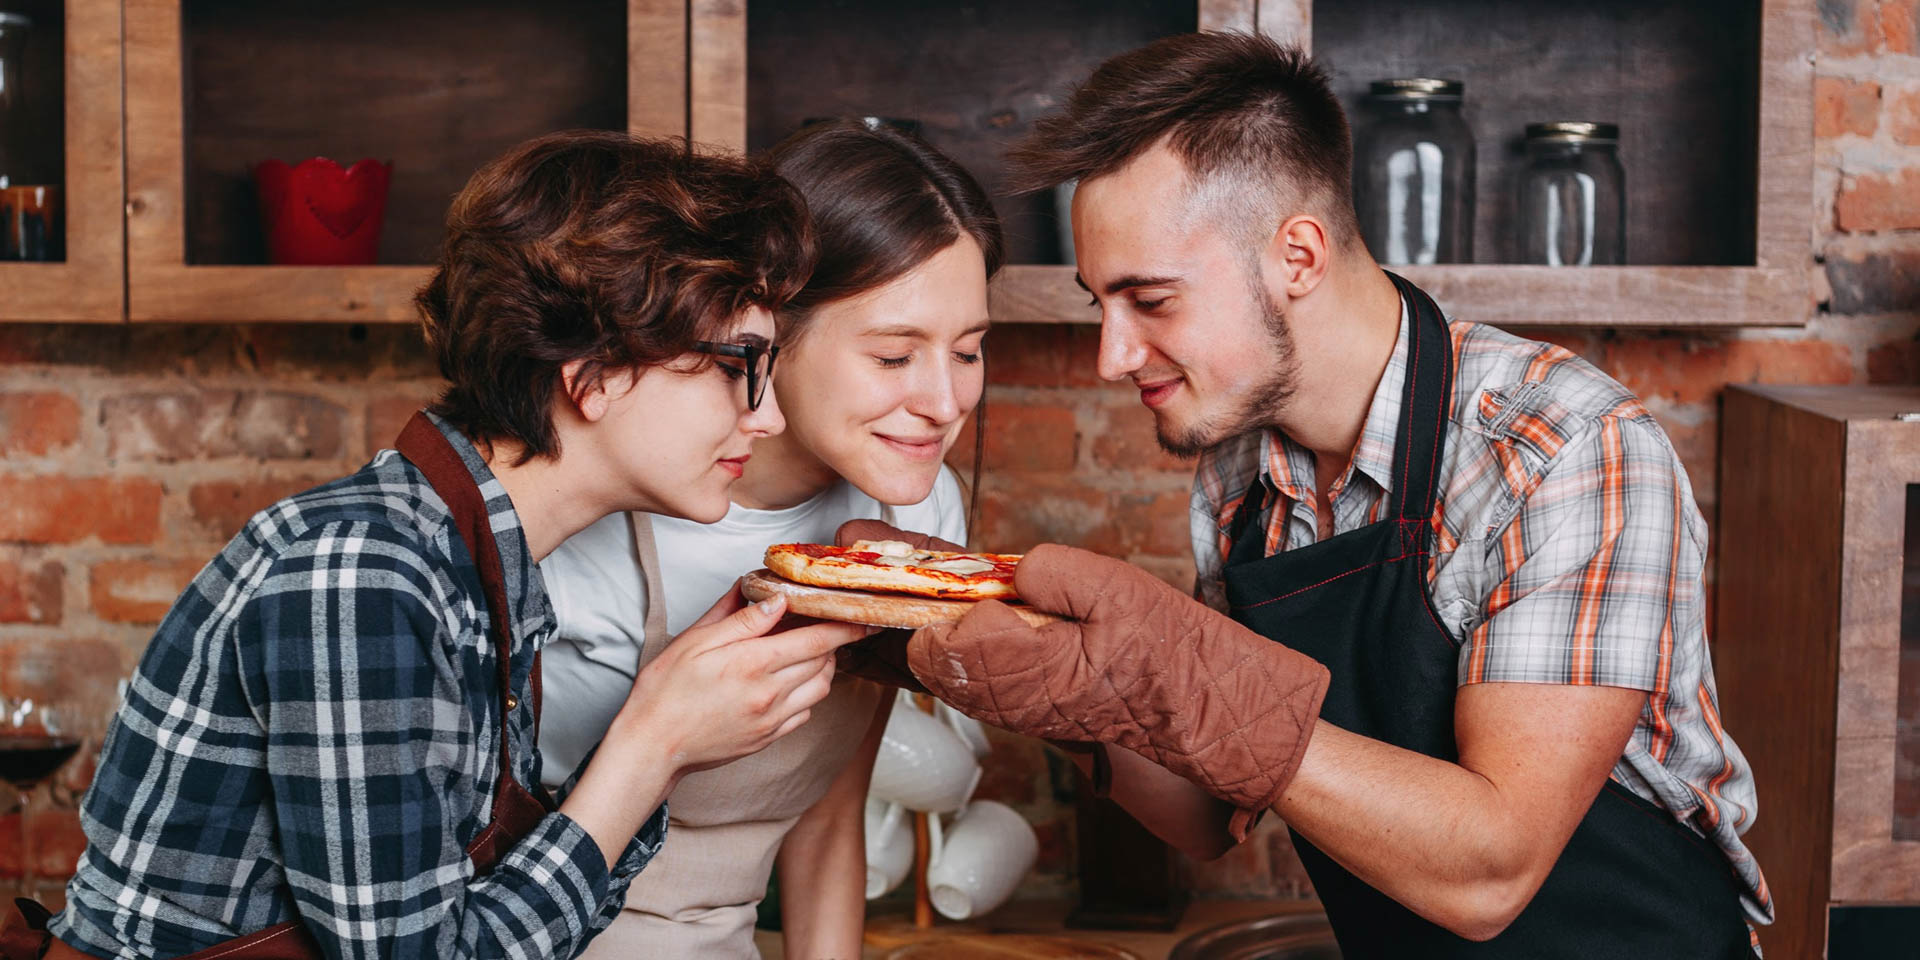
[{"x": 601, "y": 247}]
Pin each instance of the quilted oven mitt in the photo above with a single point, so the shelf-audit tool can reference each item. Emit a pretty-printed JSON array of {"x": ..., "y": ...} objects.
[{"x": 1138, "y": 665}]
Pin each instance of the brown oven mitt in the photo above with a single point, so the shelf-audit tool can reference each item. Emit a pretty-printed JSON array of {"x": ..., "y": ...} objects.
[{"x": 1139, "y": 666}]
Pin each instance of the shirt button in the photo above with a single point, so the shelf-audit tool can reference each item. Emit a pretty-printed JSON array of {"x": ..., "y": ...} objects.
[{"x": 513, "y": 702}]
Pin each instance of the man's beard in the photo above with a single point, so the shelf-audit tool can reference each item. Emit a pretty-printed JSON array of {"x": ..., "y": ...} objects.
[{"x": 1260, "y": 407}]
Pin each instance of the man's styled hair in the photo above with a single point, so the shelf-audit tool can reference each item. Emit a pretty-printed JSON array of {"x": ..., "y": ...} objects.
[
  {"x": 596, "y": 246},
  {"x": 1256, "y": 124}
]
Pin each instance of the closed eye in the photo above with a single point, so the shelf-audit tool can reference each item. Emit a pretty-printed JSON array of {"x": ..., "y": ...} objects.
[
  {"x": 966, "y": 357},
  {"x": 893, "y": 362},
  {"x": 732, "y": 372}
]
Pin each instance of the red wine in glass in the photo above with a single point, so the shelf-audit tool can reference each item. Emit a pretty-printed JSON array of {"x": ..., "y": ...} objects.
[{"x": 28, "y": 758}]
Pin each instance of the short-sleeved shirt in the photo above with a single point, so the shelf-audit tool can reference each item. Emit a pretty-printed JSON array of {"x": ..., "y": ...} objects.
[
  {"x": 314, "y": 734},
  {"x": 1567, "y": 549}
]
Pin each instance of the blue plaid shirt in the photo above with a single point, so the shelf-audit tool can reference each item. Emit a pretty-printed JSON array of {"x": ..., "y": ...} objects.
[{"x": 312, "y": 735}]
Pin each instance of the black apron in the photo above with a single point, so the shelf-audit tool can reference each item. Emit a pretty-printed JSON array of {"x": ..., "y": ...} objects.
[{"x": 1631, "y": 884}]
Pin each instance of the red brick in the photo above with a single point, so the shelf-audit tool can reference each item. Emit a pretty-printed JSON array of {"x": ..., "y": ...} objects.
[
  {"x": 139, "y": 591},
  {"x": 32, "y": 591},
  {"x": 222, "y": 507},
  {"x": 1152, "y": 523},
  {"x": 63, "y": 509},
  {"x": 1289, "y": 875},
  {"x": 1044, "y": 355},
  {"x": 77, "y": 673},
  {"x": 37, "y": 423},
  {"x": 1842, "y": 106},
  {"x": 1692, "y": 370},
  {"x": 1879, "y": 201},
  {"x": 1848, "y": 27},
  {"x": 1031, "y": 439},
  {"x": 1897, "y": 362},
  {"x": 1899, "y": 23},
  {"x": 211, "y": 424},
  {"x": 1886, "y": 282},
  {"x": 1903, "y": 115},
  {"x": 1126, "y": 441},
  {"x": 960, "y": 456}
]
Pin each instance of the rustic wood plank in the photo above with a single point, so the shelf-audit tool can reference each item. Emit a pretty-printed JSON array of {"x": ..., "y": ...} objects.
[
  {"x": 657, "y": 68},
  {"x": 1776, "y": 656},
  {"x": 1228, "y": 15},
  {"x": 281, "y": 294},
  {"x": 1039, "y": 294},
  {"x": 90, "y": 285},
  {"x": 1506, "y": 295},
  {"x": 718, "y": 74},
  {"x": 1288, "y": 21},
  {"x": 1784, "y": 212},
  {"x": 1869, "y": 866}
]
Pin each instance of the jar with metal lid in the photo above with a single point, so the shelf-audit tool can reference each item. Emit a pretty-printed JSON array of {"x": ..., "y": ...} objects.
[
  {"x": 1572, "y": 196},
  {"x": 1413, "y": 172}
]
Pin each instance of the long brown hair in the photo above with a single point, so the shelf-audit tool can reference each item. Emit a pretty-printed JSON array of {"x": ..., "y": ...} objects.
[{"x": 882, "y": 203}]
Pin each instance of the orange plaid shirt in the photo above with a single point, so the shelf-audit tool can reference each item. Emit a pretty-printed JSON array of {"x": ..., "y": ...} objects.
[{"x": 1567, "y": 549}]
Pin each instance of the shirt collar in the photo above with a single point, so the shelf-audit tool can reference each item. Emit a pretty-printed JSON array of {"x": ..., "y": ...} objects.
[{"x": 1288, "y": 467}]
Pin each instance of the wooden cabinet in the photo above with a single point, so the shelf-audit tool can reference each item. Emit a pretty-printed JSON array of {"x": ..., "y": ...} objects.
[
  {"x": 1715, "y": 100},
  {"x": 434, "y": 86},
  {"x": 1817, "y": 646},
  {"x": 82, "y": 40}
]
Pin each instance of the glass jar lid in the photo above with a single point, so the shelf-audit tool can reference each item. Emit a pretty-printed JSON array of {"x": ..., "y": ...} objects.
[
  {"x": 1416, "y": 88},
  {"x": 1574, "y": 131}
]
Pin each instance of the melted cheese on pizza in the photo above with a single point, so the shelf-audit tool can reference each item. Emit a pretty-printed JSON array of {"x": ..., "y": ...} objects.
[{"x": 896, "y": 553}]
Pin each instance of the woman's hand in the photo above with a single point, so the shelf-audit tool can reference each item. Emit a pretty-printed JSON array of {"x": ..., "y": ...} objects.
[
  {"x": 724, "y": 688},
  {"x": 727, "y": 686}
]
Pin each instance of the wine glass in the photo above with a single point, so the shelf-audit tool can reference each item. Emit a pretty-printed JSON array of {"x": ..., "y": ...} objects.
[{"x": 34, "y": 745}]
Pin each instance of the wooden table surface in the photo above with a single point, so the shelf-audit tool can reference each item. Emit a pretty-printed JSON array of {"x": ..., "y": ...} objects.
[{"x": 1046, "y": 916}]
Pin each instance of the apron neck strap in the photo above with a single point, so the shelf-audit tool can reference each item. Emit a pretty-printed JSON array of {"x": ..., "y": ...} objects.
[
  {"x": 648, "y": 554},
  {"x": 427, "y": 448},
  {"x": 1424, "y": 407}
]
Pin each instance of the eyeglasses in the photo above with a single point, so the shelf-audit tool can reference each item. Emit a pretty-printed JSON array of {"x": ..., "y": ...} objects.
[{"x": 759, "y": 357}]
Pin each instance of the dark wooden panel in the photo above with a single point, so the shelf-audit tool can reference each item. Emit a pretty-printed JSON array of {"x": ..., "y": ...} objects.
[
  {"x": 436, "y": 86},
  {"x": 1776, "y": 653},
  {"x": 1680, "y": 79},
  {"x": 42, "y": 105},
  {"x": 974, "y": 74}
]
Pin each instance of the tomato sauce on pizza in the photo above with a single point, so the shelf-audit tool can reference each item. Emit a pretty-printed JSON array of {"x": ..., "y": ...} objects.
[{"x": 897, "y": 567}]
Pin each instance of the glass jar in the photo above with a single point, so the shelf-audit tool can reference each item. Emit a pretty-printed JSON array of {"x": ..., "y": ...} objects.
[
  {"x": 1573, "y": 200},
  {"x": 1413, "y": 173}
]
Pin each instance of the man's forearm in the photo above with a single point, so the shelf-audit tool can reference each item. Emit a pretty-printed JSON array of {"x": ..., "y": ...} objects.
[{"x": 1192, "y": 820}]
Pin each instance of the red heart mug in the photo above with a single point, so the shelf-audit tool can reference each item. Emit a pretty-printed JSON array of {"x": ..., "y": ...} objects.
[{"x": 318, "y": 214}]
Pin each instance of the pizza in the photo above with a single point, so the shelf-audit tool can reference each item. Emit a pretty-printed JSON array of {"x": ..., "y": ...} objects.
[{"x": 892, "y": 566}]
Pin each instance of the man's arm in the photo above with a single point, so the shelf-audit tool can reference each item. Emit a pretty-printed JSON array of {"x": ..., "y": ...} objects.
[{"x": 1465, "y": 845}]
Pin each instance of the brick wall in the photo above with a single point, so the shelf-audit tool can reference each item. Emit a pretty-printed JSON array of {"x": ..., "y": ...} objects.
[{"x": 131, "y": 454}]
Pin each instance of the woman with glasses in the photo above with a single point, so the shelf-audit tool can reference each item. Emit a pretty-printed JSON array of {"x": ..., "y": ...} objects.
[
  {"x": 328, "y": 749},
  {"x": 879, "y": 366}
]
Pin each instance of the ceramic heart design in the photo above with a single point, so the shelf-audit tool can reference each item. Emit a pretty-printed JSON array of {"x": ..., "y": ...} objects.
[{"x": 317, "y": 213}]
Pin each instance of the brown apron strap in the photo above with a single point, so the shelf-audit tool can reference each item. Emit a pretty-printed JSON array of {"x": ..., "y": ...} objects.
[{"x": 647, "y": 553}]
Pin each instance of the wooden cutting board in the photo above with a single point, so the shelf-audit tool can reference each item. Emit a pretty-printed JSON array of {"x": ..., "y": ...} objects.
[{"x": 863, "y": 606}]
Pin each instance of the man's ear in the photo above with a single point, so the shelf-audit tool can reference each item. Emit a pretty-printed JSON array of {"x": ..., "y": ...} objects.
[
  {"x": 590, "y": 399},
  {"x": 1298, "y": 256}
]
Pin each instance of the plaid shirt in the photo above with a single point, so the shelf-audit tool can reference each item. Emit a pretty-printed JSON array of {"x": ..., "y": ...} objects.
[
  {"x": 313, "y": 735},
  {"x": 1567, "y": 549}
]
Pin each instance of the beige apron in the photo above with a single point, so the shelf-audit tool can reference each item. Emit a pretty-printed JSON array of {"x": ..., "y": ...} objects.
[{"x": 699, "y": 895}]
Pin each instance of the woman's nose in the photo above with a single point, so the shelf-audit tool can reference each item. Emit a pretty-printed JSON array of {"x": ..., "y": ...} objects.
[
  {"x": 765, "y": 420},
  {"x": 936, "y": 397}
]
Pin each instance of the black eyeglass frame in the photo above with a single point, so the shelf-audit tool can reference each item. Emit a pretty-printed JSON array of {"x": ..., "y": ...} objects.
[{"x": 757, "y": 377}]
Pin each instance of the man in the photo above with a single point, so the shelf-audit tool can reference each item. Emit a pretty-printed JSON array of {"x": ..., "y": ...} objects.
[{"x": 1453, "y": 622}]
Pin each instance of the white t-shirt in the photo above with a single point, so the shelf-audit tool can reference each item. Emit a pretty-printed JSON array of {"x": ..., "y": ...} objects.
[{"x": 599, "y": 595}]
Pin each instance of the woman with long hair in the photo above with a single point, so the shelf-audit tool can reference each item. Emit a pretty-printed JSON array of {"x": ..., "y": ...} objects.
[{"x": 880, "y": 366}]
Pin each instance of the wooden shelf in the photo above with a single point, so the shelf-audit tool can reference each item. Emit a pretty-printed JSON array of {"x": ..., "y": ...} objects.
[
  {"x": 90, "y": 284},
  {"x": 1505, "y": 295}
]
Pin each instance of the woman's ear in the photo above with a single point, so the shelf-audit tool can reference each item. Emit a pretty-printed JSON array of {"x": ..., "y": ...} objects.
[{"x": 589, "y": 399}]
